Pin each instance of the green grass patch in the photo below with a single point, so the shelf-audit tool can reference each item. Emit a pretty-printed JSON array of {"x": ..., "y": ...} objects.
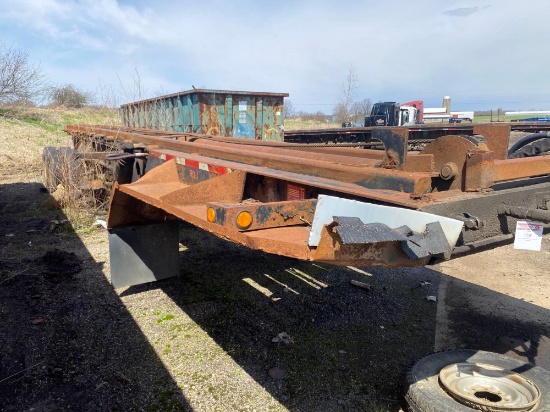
[
  {"x": 165, "y": 318},
  {"x": 46, "y": 125}
]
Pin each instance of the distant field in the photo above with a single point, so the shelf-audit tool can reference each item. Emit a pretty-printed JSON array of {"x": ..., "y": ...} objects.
[
  {"x": 501, "y": 118},
  {"x": 299, "y": 124}
]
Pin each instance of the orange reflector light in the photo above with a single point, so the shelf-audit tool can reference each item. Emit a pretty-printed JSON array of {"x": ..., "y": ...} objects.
[
  {"x": 211, "y": 215},
  {"x": 244, "y": 219}
]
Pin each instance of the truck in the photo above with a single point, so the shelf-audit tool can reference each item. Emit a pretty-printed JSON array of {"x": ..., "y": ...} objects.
[
  {"x": 394, "y": 114},
  {"x": 391, "y": 196},
  {"x": 440, "y": 114},
  {"x": 414, "y": 112}
]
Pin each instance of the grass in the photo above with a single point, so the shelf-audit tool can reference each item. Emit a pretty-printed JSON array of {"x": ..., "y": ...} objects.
[
  {"x": 25, "y": 131},
  {"x": 299, "y": 124},
  {"x": 502, "y": 118}
]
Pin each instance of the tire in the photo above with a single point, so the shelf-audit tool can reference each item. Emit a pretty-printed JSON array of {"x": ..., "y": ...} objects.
[
  {"x": 61, "y": 166},
  {"x": 425, "y": 394},
  {"x": 533, "y": 145}
]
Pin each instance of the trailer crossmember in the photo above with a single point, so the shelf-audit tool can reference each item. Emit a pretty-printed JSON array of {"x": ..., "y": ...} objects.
[{"x": 347, "y": 206}]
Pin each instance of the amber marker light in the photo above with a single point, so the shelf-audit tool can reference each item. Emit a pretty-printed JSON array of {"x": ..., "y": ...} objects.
[
  {"x": 211, "y": 215},
  {"x": 244, "y": 219}
]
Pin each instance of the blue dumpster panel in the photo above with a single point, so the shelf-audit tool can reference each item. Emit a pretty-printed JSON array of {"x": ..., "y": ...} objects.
[{"x": 247, "y": 115}]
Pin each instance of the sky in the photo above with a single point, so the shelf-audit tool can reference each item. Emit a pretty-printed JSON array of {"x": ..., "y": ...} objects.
[{"x": 484, "y": 54}]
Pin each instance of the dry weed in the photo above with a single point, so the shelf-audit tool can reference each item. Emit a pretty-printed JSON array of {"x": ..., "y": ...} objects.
[
  {"x": 26, "y": 131},
  {"x": 300, "y": 124}
]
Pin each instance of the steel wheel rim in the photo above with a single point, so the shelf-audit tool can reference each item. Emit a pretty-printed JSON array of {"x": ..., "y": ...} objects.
[{"x": 488, "y": 387}]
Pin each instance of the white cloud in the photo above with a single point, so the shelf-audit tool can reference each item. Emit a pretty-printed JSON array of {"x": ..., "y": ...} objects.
[{"x": 480, "y": 54}]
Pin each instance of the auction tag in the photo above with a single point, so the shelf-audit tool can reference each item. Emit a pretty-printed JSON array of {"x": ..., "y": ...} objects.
[{"x": 528, "y": 235}]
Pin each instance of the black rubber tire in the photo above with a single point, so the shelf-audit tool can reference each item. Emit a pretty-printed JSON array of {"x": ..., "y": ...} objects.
[
  {"x": 424, "y": 393},
  {"x": 56, "y": 161},
  {"x": 533, "y": 145}
]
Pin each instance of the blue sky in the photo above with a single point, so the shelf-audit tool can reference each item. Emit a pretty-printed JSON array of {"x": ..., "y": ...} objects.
[{"x": 485, "y": 55}]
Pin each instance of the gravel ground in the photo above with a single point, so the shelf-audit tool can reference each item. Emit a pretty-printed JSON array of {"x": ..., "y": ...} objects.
[{"x": 202, "y": 341}]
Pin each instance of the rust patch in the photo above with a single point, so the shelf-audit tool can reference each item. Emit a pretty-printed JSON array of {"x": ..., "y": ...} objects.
[
  {"x": 497, "y": 137},
  {"x": 332, "y": 250},
  {"x": 479, "y": 171},
  {"x": 521, "y": 168},
  {"x": 267, "y": 215},
  {"x": 419, "y": 163},
  {"x": 391, "y": 160},
  {"x": 420, "y": 197}
]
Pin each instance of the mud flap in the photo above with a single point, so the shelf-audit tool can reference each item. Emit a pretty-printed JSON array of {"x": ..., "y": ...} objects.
[{"x": 143, "y": 253}]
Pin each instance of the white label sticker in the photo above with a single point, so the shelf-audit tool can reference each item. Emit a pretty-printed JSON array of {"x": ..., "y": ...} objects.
[
  {"x": 528, "y": 235},
  {"x": 242, "y": 106}
]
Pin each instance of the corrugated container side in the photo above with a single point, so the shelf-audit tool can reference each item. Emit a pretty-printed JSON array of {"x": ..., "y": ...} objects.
[{"x": 248, "y": 115}]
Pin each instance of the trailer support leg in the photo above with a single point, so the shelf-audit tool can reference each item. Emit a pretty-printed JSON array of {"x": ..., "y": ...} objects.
[{"x": 143, "y": 253}]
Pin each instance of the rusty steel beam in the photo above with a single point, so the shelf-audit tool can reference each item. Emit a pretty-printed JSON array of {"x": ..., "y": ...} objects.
[
  {"x": 272, "y": 197},
  {"x": 261, "y": 215},
  {"x": 342, "y": 151},
  {"x": 511, "y": 169},
  {"x": 331, "y": 249},
  {"x": 447, "y": 158},
  {"x": 497, "y": 137},
  {"x": 161, "y": 195},
  {"x": 341, "y": 168},
  {"x": 321, "y": 183}
]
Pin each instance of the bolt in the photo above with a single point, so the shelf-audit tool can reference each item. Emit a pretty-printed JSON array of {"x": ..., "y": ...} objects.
[{"x": 448, "y": 171}]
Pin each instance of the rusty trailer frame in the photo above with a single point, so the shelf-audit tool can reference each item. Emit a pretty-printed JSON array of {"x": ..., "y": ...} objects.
[{"x": 319, "y": 202}]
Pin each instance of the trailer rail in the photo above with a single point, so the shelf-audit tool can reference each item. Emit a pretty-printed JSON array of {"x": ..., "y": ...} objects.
[{"x": 321, "y": 202}]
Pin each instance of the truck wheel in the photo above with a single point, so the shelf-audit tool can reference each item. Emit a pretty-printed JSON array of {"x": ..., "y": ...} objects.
[
  {"x": 464, "y": 380},
  {"x": 61, "y": 166},
  {"x": 536, "y": 144}
]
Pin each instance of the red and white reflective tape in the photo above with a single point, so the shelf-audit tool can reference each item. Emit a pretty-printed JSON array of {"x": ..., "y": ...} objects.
[{"x": 212, "y": 168}]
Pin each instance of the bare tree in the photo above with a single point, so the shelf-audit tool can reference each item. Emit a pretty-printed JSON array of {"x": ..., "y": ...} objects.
[
  {"x": 288, "y": 109},
  {"x": 359, "y": 110},
  {"x": 19, "y": 79},
  {"x": 341, "y": 113},
  {"x": 70, "y": 96},
  {"x": 135, "y": 91},
  {"x": 346, "y": 97},
  {"x": 106, "y": 96},
  {"x": 365, "y": 106}
]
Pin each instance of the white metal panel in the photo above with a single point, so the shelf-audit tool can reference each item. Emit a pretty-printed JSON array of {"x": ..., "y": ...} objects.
[
  {"x": 527, "y": 112},
  {"x": 330, "y": 206},
  {"x": 435, "y": 110}
]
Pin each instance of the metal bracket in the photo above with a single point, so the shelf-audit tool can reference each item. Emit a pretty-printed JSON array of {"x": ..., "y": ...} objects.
[
  {"x": 263, "y": 215},
  {"x": 395, "y": 144},
  {"x": 471, "y": 222},
  {"x": 353, "y": 231}
]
